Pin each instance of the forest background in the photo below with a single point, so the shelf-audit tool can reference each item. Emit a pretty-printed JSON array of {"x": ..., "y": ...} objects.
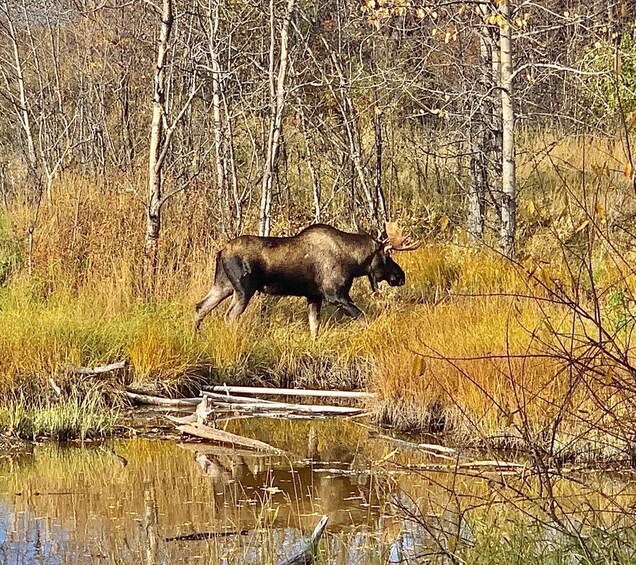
[{"x": 136, "y": 137}]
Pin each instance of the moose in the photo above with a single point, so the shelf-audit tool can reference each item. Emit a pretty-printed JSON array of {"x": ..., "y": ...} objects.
[{"x": 319, "y": 263}]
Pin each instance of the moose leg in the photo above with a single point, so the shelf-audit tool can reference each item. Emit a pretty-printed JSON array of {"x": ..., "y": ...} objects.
[
  {"x": 314, "y": 305},
  {"x": 211, "y": 300},
  {"x": 240, "y": 300},
  {"x": 373, "y": 283},
  {"x": 343, "y": 300},
  {"x": 221, "y": 290}
]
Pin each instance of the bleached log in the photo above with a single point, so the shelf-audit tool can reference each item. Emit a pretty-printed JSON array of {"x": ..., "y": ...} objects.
[
  {"x": 206, "y": 535},
  {"x": 94, "y": 371},
  {"x": 291, "y": 391},
  {"x": 374, "y": 434},
  {"x": 182, "y": 419},
  {"x": 160, "y": 400},
  {"x": 492, "y": 463},
  {"x": 218, "y": 450},
  {"x": 221, "y": 436},
  {"x": 256, "y": 404},
  {"x": 232, "y": 398}
]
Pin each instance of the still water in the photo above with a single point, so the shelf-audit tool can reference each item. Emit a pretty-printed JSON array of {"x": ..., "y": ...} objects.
[
  {"x": 95, "y": 503},
  {"x": 125, "y": 500}
]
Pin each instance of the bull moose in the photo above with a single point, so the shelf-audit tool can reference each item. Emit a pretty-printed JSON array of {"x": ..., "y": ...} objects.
[{"x": 319, "y": 263}]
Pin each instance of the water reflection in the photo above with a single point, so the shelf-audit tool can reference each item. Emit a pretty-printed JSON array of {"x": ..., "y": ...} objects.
[
  {"x": 86, "y": 505},
  {"x": 118, "y": 503}
]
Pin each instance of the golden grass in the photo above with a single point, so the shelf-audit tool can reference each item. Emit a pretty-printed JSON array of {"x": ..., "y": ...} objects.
[{"x": 84, "y": 305}]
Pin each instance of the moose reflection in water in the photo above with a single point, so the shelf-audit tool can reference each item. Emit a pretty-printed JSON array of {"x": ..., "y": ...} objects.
[{"x": 121, "y": 503}]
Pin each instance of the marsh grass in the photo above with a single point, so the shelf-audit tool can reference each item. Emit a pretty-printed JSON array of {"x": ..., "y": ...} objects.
[
  {"x": 454, "y": 351},
  {"x": 74, "y": 417}
]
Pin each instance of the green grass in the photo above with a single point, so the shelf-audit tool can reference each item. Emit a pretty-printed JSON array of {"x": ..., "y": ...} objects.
[{"x": 75, "y": 417}]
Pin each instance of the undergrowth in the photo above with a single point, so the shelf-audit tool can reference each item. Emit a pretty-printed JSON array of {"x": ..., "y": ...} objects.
[{"x": 454, "y": 351}]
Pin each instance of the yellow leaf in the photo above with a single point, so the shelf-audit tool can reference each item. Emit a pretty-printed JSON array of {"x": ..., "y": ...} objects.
[
  {"x": 419, "y": 366},
  {"x": 628, "y": 170},
  {"x": 443, "y": 223},
  {"x": 388, "y": 456},
  {"x": 582, "y": 226},
  {"x": 544, "y": 277},
  {"x": 532, "y": 209},
  {"x": 600, "y": 211}
]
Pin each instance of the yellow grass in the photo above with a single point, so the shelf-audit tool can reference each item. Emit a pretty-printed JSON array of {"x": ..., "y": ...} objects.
[{"x": 83, "y": 305}]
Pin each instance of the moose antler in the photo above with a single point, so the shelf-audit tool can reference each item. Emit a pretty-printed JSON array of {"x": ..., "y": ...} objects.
[{"x": 396, "y": 240}]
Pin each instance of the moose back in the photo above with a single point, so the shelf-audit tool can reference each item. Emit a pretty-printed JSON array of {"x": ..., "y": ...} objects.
[{"x": 320, "y": 264}]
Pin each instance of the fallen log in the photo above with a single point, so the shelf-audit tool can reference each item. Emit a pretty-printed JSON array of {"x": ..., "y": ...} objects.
[
  {"x": 374, "y": 434},
  {"x": 141, "y": 398},
  {"x": 182, "y": 419},
  {"x": 94, "y": 371},
  {"x": 290, "y": 391},
  {"x": 256, "y": 404},
  {"x": 206, "y": 535},
  {"x": 295, "y": 408},
  {"x": 212, "y": 434},
  {"x": 218, "y": 450},
  {"x": 232, "y": 398},
  {"x": 305, "y": 554}
]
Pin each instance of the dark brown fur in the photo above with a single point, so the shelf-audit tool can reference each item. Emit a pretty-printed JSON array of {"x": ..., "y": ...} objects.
[{"x": 319, "y": 263}]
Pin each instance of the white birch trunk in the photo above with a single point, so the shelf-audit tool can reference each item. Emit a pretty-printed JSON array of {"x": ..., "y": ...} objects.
[
  {"x": 508, "y": 188},
  {"x": 25, "y": 119},
  {"x": 155, "y": 162},
  {"x": 219, "y": 152},
  {"x": 277, "y": 105}
]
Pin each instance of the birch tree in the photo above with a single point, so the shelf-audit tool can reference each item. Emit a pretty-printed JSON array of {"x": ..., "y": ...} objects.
[
  {"x": 508, "y": 180},
  {"x": 161, "y": 134},
  {"x": 278, "y": 96}
]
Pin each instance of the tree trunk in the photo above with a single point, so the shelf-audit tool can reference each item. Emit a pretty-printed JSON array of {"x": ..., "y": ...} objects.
[
  {"x": 379, "y": 190},
  {"x": 219, "y": 151},
  {"x": 25, "y": 119},
  {"x": 155, "y": 162},
  {"x": 277, "y": 104},
  {"x": 480, "y": 142},
  {"x": 478, "y": 188},
  {"x": 315, "y": 178},
  {"x": 508, "y": 189}
]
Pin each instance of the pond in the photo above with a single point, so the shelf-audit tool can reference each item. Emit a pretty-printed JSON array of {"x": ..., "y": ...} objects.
[{"x": 125, "y": 501}]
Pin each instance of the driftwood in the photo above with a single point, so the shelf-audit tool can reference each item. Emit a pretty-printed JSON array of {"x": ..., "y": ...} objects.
[
  {"x": 94, "y": 371},
  {"x": 207, "y": 535},
  {"x": 429, "y": 447},
  {"x": 141, "y": 398},
  {"x": 212, "y": 400},
  {"x": 290, "y": 391},
  {"x": 232, "y": 398},
  {"x": 182, "y": 419},
  {"x": 220, "y": 450},
  {"x": 306, "y": 552},
  {"x": 221, "y": 436}
]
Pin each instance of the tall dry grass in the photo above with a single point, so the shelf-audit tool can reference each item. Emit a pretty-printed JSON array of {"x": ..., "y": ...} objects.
[{"x": 448, "y": 352}]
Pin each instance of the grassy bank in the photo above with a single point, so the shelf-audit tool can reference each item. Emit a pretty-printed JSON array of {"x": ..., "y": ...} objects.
[
  {"x": 485, "y": 351},
  {"x": 83, "y": 416}
]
